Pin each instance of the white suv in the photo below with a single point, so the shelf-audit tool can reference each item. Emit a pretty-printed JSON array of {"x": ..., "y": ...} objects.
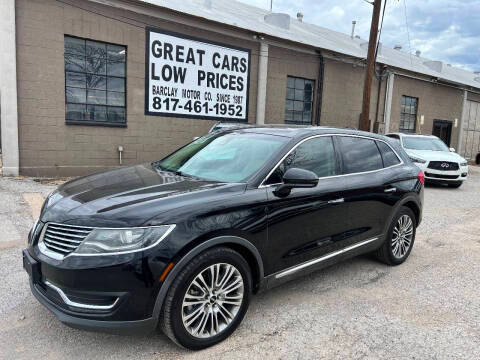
[{"x": 439, "y": 163}]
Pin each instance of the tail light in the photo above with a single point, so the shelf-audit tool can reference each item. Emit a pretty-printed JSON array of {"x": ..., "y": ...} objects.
[{"x": 421, "y": 177}]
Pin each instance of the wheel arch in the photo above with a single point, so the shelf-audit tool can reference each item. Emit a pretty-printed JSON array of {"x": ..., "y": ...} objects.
[
  {"x": 411, "y": 202},
  {"x": 239, "y": 244},
  {"x": 415, "y": 208}
]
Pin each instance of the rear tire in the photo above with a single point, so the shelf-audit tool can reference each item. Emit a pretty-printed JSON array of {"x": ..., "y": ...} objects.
[
  {"x": 197, "y": 317},
  {"x": 455, "y": 185},
  {"x": 400, "y": 238}
]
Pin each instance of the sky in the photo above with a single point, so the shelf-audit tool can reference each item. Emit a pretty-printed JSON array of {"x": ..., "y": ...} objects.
[{"x": 446, "y": 30}]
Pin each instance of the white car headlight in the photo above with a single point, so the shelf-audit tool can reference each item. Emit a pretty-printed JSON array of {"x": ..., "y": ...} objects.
[
  {"x": 121, "y": 241},
  {"x": 463, "y": 163}
]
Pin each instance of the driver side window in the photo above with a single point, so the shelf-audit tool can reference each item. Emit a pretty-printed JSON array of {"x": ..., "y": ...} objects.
[{"x": 316, "y": 155}]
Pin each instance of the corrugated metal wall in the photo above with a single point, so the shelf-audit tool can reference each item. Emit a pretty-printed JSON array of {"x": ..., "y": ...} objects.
[{"x": 471, "y": 130}]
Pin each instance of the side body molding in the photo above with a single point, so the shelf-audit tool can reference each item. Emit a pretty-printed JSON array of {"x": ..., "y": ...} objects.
[{"x": 220, "y": 240}]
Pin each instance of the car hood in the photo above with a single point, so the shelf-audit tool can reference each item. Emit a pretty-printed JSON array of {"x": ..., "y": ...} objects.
[
  {"x": 436, "y": 155},
  {"x": 130, "y": 197}
]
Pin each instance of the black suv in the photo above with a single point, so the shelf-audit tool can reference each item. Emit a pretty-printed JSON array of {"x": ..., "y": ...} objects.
[{"x": 184, "y": 241}]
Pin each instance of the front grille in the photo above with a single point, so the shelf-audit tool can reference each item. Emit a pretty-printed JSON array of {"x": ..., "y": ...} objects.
[
  {"x": 440, "y": 176},
  {"x": 443, "y": 165},
  {"x": 64, "y": 239}
]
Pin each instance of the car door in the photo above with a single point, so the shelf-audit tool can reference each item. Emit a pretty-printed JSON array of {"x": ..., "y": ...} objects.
[
  {"x": 368, "y": 188},
  {"x": 307, "y": 223}
]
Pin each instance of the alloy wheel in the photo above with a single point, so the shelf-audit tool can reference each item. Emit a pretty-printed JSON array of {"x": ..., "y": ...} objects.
[
  {"x": 212, "y": 300},
  {"x": 402, "y": 236}
]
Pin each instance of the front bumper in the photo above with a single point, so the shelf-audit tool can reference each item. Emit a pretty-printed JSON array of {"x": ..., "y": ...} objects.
[
  {"x": 441, "y": 176},
  {"x": 98, "y": 308},
  {"x": 115, "y": 327}
]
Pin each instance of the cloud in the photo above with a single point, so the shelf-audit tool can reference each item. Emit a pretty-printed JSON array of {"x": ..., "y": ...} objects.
[{"x": 446, "y": 30}]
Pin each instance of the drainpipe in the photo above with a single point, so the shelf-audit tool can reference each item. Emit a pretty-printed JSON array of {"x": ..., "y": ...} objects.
[
  {"x": 262, "y": 83},
  {"x": 318, "y": 110},
  {"x": 388, "y": 101},
  {"x": 380, "y": 79},
  {"x": 463, "y": 120},
  {"x": 8, "y": 89}
]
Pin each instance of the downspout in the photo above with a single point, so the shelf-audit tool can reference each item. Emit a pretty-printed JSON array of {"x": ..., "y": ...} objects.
[
  {"x": 388, "y": 101},
  {"x": 463, "y": 120},
  {"x": 8, "y": 89},
  {"x": 380, "y": 78},
  {"x": 318, "y": 109},
  {"x": 262, "y": 83}
]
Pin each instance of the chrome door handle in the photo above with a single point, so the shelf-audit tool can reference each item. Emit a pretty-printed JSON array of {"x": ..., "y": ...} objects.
[
  {"x": 389, "y": 190},
  {"x": 336, "y": 201}
]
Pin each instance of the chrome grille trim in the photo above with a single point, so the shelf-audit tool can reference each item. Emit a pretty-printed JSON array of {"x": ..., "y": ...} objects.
[
  {"x": 62, "y": 233},
  {"x": 63, "y": 239},
  {"x": 71, "y": 303}
]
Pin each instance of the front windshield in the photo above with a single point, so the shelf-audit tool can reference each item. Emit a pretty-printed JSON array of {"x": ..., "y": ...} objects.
[
  {"x": 421, "y": 143},
  {"x": 225, "y": 157}
]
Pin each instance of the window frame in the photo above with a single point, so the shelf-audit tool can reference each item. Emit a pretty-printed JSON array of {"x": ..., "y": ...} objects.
[
  {"x": 293, "y": 122},
  {"x": 88, "y": 122},
  {"x": 340, "y": 146},
  {"x": 408, "y": 131},
  {"x": 337, "y": 154},
  {"x": 381, "y": 154}
]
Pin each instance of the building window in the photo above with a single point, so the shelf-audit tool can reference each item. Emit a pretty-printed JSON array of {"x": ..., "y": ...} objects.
[
  {"x": 298, "y": 104},
  {"x": 95, "y": 82},
  {"x": 408, "y": 114}
]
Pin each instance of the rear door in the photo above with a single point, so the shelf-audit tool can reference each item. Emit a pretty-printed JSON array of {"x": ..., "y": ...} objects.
[
  {"x": 307, "y": 223},
  {"x": 368, "y": 188}
]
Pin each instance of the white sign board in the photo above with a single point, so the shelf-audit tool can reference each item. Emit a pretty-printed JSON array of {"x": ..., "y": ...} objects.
[{"x": 187, "y": 77}]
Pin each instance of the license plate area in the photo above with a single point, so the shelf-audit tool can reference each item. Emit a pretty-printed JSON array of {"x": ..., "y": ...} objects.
[{"x": 32, "y": 267}]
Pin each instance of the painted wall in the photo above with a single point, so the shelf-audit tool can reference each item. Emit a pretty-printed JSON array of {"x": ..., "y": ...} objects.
[
  {"x": 434, "y": 102},
  {"x": 282, "y": 63},
  {"x": 49, "y": 147}
]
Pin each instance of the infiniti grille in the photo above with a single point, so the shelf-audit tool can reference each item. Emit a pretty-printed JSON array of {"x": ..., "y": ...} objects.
[
  {"x": 443, "y": 165},
  {"x": 64, "y": 239}
]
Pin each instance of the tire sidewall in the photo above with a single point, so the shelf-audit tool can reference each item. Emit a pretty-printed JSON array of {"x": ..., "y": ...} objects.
[
  {"x": 182, "y": 335},
  {"x": 401, "y": 212}
]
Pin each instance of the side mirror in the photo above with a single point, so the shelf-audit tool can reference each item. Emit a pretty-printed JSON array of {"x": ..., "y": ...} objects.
[
  {"x": 452, "y": 149},
  {"x": 296, "y": 178}
]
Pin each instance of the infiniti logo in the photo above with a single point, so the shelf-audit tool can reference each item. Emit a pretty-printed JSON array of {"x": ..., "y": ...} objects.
[{"x": 445, "y": 165}]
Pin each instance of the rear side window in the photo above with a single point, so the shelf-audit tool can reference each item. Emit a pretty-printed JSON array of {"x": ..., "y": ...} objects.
[
  {"x": 389, "y": 157},
  {"x": 316, "y": 155},
  {"x": 359, "y": 155}
]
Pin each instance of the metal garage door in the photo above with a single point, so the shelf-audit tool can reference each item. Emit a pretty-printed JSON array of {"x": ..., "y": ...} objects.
[{"x": 471, "y": 131}]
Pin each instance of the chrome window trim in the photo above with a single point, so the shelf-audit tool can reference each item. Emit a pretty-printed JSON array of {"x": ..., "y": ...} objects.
[
  {"x": 306, "y": 264},
  {"x": 43, "y": 249},
  {"x": 69, "y": 302},
  {"x": 262, "y": 185}
]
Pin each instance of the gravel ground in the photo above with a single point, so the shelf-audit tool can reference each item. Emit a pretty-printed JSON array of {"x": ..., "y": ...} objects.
[{"x": 428, "y": 308}]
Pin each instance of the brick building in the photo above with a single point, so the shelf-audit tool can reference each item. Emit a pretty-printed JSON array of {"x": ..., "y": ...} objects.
[{"x": 82, "y": 79}]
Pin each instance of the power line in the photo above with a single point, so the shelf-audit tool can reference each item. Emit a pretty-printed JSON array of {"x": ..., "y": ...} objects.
[
  {"x": 408, "y": 32},
  {"x": 380, "y": 31}
]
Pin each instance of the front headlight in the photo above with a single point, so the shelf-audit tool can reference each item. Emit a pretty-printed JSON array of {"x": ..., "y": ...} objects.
[
  {"x": 464, "y": 164},
  {"x": 417, "y": 160},
  {"x": 122, "y": 241}
]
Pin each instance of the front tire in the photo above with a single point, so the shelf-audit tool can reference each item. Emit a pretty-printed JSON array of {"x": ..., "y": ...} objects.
[
  {"x": 208, "y": 299},
  {"x": 400, "y": 238}
]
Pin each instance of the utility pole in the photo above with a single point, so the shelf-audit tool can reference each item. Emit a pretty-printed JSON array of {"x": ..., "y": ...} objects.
[{"x": 367, "y": 86}]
